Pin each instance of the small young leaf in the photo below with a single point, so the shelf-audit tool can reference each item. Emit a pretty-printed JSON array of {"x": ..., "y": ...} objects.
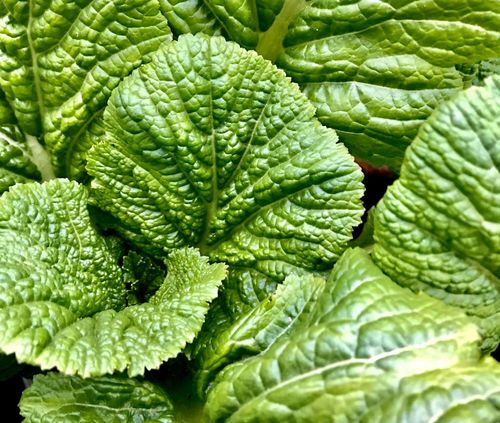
[{"x": 255, "y": 331}]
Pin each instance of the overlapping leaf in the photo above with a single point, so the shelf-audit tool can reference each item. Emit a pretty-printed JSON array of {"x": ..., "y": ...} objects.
[
  {"x": 189, "y": 17},
  {"x": 370, "y": 351},
  {"x": 211, "y": 146},
  {"x": 16, "y": 163},
  {"x": 255, "y": 331},
  {"x": 66, "y": 399},
  {"x": 62, "y": 295},
  {"x": 438, "y": 228},
  {"x": 374, "y": 69},
  {"x": 60, "y": 60}
]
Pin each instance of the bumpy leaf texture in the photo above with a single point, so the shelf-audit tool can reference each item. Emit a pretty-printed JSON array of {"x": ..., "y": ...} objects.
[
  {"x": 374, "y": 69},
  {"x": 60, "y": 60},
  {"x": 370, "y": 351},
  {"x": 189, "y": 17},
  {"x": 211, "y": 146},
  {"x": 438, "y": 228},
  {"x": 251, "y": 333},
  {"x": 70, "y": 399},
  {"x": 62, "y": 297},
  {"x": 16, "y": 163}
]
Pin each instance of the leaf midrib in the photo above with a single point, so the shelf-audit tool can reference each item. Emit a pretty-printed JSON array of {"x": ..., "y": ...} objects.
[
  {"x": 34, "y": 63},
  {"x": 369, "y": 360}
]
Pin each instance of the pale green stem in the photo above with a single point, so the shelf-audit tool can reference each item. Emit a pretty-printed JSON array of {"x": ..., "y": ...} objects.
[
  {"x": 40, "y": 157},
  {"x": 271, "y": 42}
]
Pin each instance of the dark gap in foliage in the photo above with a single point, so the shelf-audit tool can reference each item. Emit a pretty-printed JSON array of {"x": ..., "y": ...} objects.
[
  {"x": 376, "y": 181},
  {"x": 11, "y": 394},
  {"x": 176, "y": 378},
  {"x": 496, "y": 354}
]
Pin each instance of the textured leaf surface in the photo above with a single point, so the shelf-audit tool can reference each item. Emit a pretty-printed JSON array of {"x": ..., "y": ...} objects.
[
  {"x": 374, "y": 69},
  {"x": 255, "y": 331},
  {"x": 15, "y": 157},
  {"x": 189, "y": 17},
  {"x": 210, "y": 145},
  {"x": 57, "y": 398},
  {"x": 370, "y": 351},
  {"x": 62, "y": 295},
  {"x": 60, "y": 60},
  {"x": 438, "y": 228}
]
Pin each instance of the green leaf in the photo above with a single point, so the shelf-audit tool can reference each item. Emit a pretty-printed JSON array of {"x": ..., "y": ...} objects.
[
  {"x": 62, "y": 296},
  {"x": 438, "y": 227},
  {"x": 375, "y": 70},
  {"x": 189, "y": 17},
  {"x": 60, "y": 60},
  {"x": 143, "y": 276},
  {"x": 211, "y": 146},
  {"x": 16, "y": 164},
  {"x": 370, "y": 351},
  {"x": 255, "y": 331},
  {"x": 66, "y": 399}
]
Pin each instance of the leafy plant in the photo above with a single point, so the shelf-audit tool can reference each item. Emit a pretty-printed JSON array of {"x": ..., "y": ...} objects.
[{"x": 170, "y": 195}]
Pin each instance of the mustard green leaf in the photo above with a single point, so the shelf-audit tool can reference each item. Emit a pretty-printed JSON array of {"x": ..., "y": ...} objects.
[
  {"x": 58, "y": 398},
  {"x": 256, "y": 330},
  {"x": 62, "y": 294},
  {"x": 375, "y": 70},
  {"x": 211, "y": 146},
  {"x": 60, "y": 60},
  {"x": 370, "y": 351},
  {"x": 16, "y": 158},
  {"x": 437, "y": 228}
]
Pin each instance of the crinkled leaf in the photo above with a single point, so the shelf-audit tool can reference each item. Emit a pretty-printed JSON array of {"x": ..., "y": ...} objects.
[
  {"x": 62, "y": 296},
  {"x": 438, "y": 228},
  {"x": 374, "y": 69},
  {"x": 189, "y": 17},
  {"x": 60, "y": 60},
  {"x": 143, "y": 276},
  {"x": 370, "y": 352},
  {"x": 142, "y": 336},
  {"x": 210, "y": 145},
  {"x": 57, "y": 398},
  {"x": 255, "y": 331},
  {"x": 16, "y": 163}
]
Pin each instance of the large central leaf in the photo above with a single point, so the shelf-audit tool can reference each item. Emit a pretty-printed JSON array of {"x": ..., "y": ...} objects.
[{"x": 212, "y": 146}]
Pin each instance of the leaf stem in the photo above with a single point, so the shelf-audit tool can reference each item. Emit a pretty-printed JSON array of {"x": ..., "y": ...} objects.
[
  {"x": 270, "y": 42},
  {"x": 40, "y": 157}
]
